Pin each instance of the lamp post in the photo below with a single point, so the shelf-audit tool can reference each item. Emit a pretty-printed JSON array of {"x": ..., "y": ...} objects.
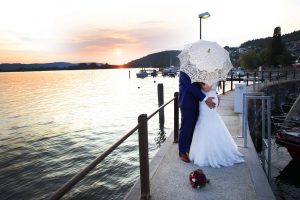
[{"x": 203, "y": 16}]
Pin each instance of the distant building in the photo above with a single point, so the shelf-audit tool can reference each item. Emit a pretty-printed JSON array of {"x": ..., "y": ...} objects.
[
  {"x": 243, "y": 50},
  {"x": 294, "y": 48}
]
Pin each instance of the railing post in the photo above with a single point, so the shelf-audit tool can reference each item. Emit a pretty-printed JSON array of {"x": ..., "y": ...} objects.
[
  {"x": 269, "y": 138},
  {"x": 247, "y": 78},
  {"x": 263, "y": 132},
  {"x": 231, "y": 82},
  {"x": 239, "y": 78},
  {"x": 254, "y": 82},
  {"x": 294, "y": 74},
  {"x": 144, "y": 157},
  {"x": 262, "y": 76},
  {"x": 160, "y": 92},
  {"x": 176, "y": 117},
  {"x": 223, "y": 87},
  {"x": 270, "y": 76},
  {"x": 286, "y": 75},
  {"x": 245, "y": 121}
]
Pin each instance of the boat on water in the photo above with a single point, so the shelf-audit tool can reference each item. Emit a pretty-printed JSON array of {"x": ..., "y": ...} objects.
[
  {"x": 291, "y": 140},
  {"x": 170, "y": 71},
  {"x": 146, "y": 72},
  {"x": 142, "y": 73},
  {"x": 288, "y": 130}
]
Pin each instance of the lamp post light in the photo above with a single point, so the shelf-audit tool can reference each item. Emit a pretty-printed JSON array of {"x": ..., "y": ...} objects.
[{"x": 203, "y": 16}]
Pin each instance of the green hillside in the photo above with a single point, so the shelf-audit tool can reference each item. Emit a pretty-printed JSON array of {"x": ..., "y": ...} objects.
[
  {"x": 157, "y": 60},
  {"x": 263, "y": 42}
]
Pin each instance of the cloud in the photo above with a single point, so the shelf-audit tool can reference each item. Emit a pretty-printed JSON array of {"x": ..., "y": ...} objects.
[
  {"x": 101, "y": 38},
  {"x": 86, "y": 44}
]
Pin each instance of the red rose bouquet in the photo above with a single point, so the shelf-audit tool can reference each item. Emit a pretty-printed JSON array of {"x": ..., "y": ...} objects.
[{"x": 198, "y": 179}]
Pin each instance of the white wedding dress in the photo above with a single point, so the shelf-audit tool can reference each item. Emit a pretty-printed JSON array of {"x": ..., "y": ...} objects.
[{"x": 212, "y": 144}]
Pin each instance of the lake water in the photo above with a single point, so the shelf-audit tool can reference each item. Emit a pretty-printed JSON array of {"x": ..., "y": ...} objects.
[{"x": 54, "y": 123}]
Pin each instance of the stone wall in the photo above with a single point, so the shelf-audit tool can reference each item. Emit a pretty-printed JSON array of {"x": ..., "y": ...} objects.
[{"x": 283, "y": 96}]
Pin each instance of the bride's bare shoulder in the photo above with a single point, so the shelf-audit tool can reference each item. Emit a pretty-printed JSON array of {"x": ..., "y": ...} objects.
[{"x": 204, "y": 86}]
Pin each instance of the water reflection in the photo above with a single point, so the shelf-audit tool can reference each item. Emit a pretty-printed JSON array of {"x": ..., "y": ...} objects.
[
  {"x": 161, "y": 136},
  {"x": 52, "y": 124}
]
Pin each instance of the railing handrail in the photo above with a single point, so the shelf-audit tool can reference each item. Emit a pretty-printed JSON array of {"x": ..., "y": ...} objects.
[{"x": 82, "y": 173}]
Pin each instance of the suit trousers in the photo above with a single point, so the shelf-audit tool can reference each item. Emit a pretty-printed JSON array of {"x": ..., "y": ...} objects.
[{"x": 189, "y": 118}]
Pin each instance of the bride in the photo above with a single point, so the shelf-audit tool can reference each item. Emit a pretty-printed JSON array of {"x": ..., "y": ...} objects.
[{"x": 212, "y": 144}]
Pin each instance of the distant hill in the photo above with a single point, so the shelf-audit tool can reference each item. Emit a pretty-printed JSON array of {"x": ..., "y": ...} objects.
[
  {"x": 156, "y": 60},
  {"x": 8, "y": 67},
  {"x": 263, "y": 42},
  {"x": 162, "y": 59},
  {"x": 34, "y": 66}
]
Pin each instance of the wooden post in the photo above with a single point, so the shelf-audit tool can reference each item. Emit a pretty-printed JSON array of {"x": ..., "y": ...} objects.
[
  {"x": 247, "y": 78},
  {"x": 144, "y": 157},
  {"x": 160, "y": 92},
  {"x": 239, "y": 78},
  {"x": 176, "y": 117},
  {"x": 129, "y": 74},
  {"x": 262, "y": 76}
]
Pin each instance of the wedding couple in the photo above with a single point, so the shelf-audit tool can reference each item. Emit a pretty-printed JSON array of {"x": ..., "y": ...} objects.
[{"x": 203, "y": 137}]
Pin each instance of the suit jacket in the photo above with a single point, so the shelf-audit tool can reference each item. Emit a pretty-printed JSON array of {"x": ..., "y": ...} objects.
[{"x": 189, "y": 93}]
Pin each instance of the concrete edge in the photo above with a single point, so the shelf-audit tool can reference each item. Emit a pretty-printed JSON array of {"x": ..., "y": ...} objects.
[
  {"x": 259, "y": 179},
  {"x": 135, "y": 191}
]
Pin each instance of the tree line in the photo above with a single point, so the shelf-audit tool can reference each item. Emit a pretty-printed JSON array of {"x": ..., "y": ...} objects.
[{"x": 270, "y": 52}]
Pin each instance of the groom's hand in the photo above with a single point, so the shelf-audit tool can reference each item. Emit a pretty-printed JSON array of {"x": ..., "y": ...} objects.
[{"x": 210, "y": 103}]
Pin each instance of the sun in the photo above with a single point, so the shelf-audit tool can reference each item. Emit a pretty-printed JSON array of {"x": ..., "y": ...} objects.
[{"x": 118, "y": 51}]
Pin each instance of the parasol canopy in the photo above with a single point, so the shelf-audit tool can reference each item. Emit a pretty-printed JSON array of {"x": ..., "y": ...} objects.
[{"x": 205, "y": 61}]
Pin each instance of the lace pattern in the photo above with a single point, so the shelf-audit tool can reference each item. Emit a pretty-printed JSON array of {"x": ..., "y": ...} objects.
[
  {"x": 205, "y": 61},
  {"x": 210, "y": 77}
]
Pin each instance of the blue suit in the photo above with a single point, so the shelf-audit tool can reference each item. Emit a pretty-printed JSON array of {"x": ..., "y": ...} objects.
[{"x": 189, "y": 97}]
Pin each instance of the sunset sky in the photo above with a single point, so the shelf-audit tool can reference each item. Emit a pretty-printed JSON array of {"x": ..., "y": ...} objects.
[{"x": 118, "y": 31}]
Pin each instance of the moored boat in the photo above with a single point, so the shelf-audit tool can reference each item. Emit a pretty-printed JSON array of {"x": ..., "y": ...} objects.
[
  {"x": 142, "y": 73},
  {"x": 291, "y": 140}
]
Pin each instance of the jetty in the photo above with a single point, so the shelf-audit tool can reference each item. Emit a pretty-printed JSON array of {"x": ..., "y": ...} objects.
[{"x": 169, "y": 176}]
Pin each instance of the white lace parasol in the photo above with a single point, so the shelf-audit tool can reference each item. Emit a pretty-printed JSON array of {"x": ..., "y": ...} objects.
[{"x": 205, "y": 61}]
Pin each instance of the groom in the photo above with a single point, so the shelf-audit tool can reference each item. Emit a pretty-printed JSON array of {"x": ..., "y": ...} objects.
[{"x": 189, "y": 97}]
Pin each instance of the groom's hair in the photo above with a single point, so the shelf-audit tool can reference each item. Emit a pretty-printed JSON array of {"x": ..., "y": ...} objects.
[{"x": 201, "y": 84}]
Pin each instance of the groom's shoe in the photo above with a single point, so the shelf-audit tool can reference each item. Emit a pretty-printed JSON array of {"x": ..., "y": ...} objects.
[{"x": 184, "y": 157}]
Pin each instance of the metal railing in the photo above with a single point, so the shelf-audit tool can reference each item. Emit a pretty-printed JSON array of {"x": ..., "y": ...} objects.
[
  {"x": 266, "y": 139},
  {"x": 265, "y": 77},
  {"x": 261, "y": 76},
  {"x": 142, "y": 128}
]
